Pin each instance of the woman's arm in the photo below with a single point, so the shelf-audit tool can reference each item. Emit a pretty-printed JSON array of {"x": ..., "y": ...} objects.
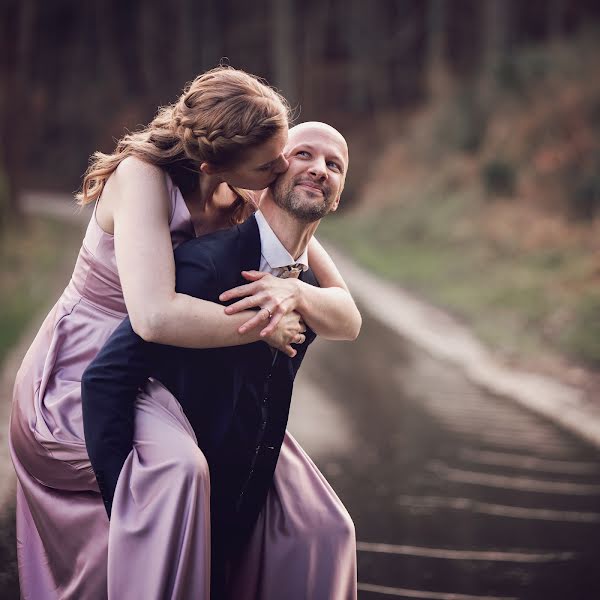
[
  {"x": 140, "y": 205},
  {"x": 329, "y": 310}
]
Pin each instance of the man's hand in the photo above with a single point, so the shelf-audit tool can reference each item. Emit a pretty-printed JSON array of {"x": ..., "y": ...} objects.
[{"x": 290, "y": 330}]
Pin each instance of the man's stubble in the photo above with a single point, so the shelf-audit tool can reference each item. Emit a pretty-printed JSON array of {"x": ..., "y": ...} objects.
[{"x": 298, "y": 202}]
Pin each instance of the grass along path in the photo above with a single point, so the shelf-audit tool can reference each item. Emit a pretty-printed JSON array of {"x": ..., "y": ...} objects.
[
  {"x": 531, "y": 305},
  {"x": 36, "y": 259}
]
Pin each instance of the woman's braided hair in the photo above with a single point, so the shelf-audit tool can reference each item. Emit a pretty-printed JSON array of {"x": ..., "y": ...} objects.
[{"x": 220, "y": 115}]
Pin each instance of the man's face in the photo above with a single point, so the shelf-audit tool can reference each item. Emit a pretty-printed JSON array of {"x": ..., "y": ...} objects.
[{"x": 313, "y": 183}]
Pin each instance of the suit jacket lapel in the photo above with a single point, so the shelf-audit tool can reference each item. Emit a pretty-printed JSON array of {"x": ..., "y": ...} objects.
[
  {"x": 249, "y": 245},
  {"x": 309, "y": 277},
  {"x": 249, "y": 248}
]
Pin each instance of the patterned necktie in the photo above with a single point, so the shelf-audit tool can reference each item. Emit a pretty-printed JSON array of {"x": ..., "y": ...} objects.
[{"x": 291, "y": 271}]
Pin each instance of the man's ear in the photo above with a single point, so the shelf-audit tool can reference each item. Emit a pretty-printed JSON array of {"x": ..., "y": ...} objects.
[{"x": 335, "y": 204}]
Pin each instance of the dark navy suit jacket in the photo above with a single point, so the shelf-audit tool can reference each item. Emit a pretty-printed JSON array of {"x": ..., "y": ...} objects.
[{"x": 237, "y": 399}]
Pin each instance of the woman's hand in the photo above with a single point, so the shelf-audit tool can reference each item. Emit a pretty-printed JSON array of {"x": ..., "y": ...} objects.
[
  {"x": 276, "y": 297},
  {"x": 289, "y": 330}
]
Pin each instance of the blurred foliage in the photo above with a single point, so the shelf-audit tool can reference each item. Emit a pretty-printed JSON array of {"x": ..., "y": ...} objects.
[
  {"x": 518, "y": 71},
  {"x": 489, "y": 98},
  {"x": 523, "y": 276},
  {"x": 515, "y": 300},
  {"x": 499, "y": 178},
  {"x": 582, "y": 338},
  {"x": 33, "y": 258},
  {"x": 461, "y": 122},
  {"x": 74, "y": 75},
  {"x": 4, "y": 205},
  {"x": 585, "y": 202}
]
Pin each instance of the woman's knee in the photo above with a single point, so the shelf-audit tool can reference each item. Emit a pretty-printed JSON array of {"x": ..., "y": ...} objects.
[
  {"x": 331, "y": 527},
  {"x": 340, "y": 528},
  {"x": 189, "y": 464}
]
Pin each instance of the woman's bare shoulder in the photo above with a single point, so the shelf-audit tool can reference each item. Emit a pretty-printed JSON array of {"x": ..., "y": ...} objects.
[
  {"x": 135, "y": 185},
  {"x": 132, "y": 168}
]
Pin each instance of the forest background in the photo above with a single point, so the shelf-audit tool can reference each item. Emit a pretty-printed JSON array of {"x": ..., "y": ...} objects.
[{"x": 473, "y": 127}]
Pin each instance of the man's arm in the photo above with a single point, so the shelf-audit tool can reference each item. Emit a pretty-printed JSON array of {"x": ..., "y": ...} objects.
[{"x": 110, "y": 384}]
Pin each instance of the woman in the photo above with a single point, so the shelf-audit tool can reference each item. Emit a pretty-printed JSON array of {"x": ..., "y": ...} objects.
[{"x": 177, "y": 178}]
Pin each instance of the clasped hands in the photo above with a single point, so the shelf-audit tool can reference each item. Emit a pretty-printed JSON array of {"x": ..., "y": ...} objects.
[{"x": 275, "y": 301}]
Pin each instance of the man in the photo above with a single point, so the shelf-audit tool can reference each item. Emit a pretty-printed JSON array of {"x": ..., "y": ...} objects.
[{"x": 276, "y": 525}]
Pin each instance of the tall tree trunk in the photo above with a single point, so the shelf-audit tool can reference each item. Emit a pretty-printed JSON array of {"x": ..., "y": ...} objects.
[
  {"x": 187, "y": 59},
  {"x": 496, "y": 26},
  {"x": 157, "y": 39},
  {"x": 359, "y": 43},
  {"x": 556, "y": 10},
  {"x": 367, "y": 73},
  {"x": 315, "y": 26},
  {"x": 16, "y": 102},
  {"x": 212, "y": 34},
  {"x": 437, "y": 77},
  {"x": 284, "y": 57}
]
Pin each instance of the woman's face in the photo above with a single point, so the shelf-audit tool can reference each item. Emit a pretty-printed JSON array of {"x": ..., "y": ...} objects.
[{"x": 261, "y": 165}]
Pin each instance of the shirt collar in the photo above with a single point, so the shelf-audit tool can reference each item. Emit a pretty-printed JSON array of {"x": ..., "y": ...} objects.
[{"x": 273, "y": 250}]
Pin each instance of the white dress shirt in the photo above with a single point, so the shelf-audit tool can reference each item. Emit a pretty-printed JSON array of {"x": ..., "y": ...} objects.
[{"x": 274, "y": 258}]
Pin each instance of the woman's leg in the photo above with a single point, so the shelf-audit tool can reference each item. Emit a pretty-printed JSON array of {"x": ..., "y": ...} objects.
[
  {"x": 62, "y": 528},
  {"x": 41, "y": 577},
  {"x": 159, "y": 540},
  {"x": 304, "y": 541}
]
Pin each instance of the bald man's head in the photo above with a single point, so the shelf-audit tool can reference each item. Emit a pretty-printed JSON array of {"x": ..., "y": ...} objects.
[
  {"x": 318, "y": 161},
  {"x": 317, "y": 129}
]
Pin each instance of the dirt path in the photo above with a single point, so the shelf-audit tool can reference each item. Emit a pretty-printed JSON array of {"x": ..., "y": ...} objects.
[{"x": 444, "y": 338}]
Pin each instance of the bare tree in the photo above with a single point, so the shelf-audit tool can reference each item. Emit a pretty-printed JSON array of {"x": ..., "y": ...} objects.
[
  {"x": 314, "y": 33},
  {"x": 437, "y": 78},
  {"x": 210, "y": 31},
  {"x": 556, "y": 12},
  {"x": 360, "y": 44},
  {"x": 16, "y": 96},
  {"x": 496, "y": 26},
  {"x": 186, "y": 59},
  {"x": 284, "y": 57}
]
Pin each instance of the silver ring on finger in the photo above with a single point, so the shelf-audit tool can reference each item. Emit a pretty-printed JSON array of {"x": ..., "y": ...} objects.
[{"x": 268, "y": 312}]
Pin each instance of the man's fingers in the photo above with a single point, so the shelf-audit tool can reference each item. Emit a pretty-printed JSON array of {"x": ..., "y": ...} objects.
[
  {"x": 270, "y": 328},
  {"x": 290, "y": 351},
  {"x": 262, "y": 315},
  {"x": 255, "y": 321}
]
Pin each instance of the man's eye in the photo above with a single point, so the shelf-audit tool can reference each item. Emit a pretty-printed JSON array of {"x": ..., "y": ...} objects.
[{"x": 333, "y": 165}]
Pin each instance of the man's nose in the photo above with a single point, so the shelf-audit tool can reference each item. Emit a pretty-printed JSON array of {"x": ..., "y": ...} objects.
[
  {"x": 281, "y": 165},
  {"x": 318, "y": 168}
]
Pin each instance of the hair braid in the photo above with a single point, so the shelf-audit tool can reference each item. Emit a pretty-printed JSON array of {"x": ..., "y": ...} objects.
[{"x": 219, "y": 116}]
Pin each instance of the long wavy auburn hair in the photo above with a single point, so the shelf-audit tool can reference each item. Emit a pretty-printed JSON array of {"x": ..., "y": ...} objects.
[{"x": 219, "y": 116}]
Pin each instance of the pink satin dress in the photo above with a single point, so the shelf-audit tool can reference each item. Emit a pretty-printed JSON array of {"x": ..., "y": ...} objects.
[{"x": 158, "y": 542}]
